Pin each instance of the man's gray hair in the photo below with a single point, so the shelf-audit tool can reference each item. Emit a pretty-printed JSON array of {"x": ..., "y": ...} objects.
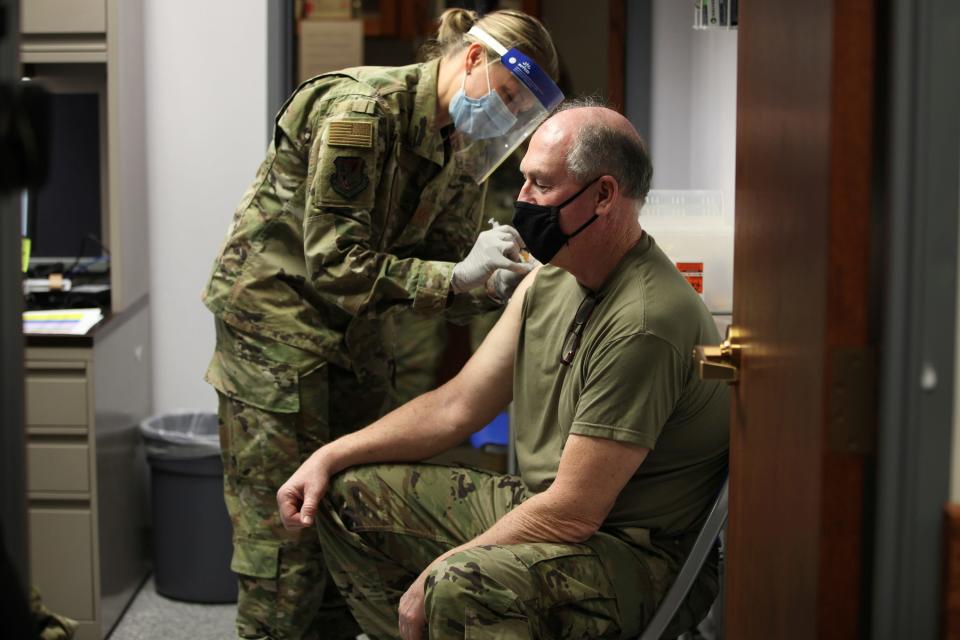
[{"x": 599, "y": 149}]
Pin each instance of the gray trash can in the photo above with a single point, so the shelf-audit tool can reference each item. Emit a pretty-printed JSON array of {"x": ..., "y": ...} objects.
[{"x": 191, "y": 529}]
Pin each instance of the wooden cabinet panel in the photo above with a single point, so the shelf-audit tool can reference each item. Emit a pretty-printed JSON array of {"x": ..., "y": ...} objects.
[
  {"x": 56, "y": 398},
  {"x": 63, "y": 16},
  {"x": 61, "y": 559},
  {"x": 380, "y": 18},
  {"x": 58, "y": 467}
]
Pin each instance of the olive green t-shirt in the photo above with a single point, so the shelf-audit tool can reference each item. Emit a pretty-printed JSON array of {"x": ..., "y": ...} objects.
[{"x": 632, "y": 379}]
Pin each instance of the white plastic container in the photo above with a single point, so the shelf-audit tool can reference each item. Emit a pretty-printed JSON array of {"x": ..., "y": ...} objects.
[{"x": 695, "y": 229}]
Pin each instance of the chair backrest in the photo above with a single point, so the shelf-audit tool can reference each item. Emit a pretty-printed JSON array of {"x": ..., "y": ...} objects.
[{"x": 690, "y": 569}]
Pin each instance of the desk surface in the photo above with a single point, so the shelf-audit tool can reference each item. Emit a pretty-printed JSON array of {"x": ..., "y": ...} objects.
[{"x": 109, "y": 323}]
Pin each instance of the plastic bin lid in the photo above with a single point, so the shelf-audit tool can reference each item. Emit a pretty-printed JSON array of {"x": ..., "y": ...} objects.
[{"x": 181, "y": 434}]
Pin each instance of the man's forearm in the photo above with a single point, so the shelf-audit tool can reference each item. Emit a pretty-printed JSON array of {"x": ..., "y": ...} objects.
[
  {"x": 421, "y": 428},
  {"x": 566, "y": 512},
  {"x": 542, "y": 518},
  {"x": 539, "y": 519}
]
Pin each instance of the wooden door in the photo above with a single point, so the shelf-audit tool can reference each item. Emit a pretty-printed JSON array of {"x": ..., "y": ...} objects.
[{"x": 802, "y": 423}]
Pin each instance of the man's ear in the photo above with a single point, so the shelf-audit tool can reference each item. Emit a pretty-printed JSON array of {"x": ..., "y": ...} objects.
[{"x": 607, "y": 194}]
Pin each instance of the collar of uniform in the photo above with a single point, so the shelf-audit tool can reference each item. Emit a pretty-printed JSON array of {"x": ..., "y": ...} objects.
[
  {"x": 636, "y": 252},
  {"x": 425, "y": 138}
]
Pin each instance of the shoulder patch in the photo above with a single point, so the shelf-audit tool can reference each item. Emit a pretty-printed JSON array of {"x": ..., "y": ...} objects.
[
  {"x": 350, "y": 133},
  {"x": 364, "y": 105},
  {"x": 350, "y": 177}
]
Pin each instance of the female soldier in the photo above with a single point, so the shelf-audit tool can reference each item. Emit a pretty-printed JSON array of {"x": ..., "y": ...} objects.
[{"x": 367, "y": 204}]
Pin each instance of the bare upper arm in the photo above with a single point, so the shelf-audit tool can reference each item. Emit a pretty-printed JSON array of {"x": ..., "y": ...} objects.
[
  {"x": 484, "y": 386},
  {"x": 591, "y": 474}
]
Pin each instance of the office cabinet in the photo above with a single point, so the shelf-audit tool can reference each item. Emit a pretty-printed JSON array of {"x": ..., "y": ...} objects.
[
  {"x": 62, "y": 561},
  {"x": 58, "y": 466},
  {"x": 85, "y": 395},
  {"x": 86, "y": 473},
  {"x": 66, "y": 382},
  {"x": 63, "y": 16},
  {"x": 93, "y": 50}
]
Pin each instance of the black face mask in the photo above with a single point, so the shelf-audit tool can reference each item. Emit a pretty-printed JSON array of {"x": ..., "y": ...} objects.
[{"x": 539, "y": 226}]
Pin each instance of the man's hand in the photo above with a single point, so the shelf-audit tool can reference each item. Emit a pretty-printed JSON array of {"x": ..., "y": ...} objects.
[
  {"x": 299, "y": 496},
  {"x": 413, "y": 615}
]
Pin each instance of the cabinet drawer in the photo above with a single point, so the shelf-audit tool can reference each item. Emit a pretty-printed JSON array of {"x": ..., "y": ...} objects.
[
  {"x": 56, "y": 398},
  {"x": 63, "y": 16},
  {"x": 61, "y": 559},
  {"x": 58, "y": 467}
]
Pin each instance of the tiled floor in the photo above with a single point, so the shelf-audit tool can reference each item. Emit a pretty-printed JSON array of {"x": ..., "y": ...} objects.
[{"x": 151, "y": 617}]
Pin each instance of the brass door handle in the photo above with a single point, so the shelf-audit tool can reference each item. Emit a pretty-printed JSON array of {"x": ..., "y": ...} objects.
[{"x": 720, "y": 362}]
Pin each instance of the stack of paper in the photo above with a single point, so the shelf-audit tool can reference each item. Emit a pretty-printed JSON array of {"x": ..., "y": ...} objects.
[{"x": 74, "y": 322}]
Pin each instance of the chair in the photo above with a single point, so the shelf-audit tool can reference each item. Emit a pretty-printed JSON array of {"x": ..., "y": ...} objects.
[
  {"x": 690, "y": 569},
  {"x": 495, "y": 436}
]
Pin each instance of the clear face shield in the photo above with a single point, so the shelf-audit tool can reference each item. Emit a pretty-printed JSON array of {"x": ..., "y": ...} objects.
[{"x": 490, "y": 128}]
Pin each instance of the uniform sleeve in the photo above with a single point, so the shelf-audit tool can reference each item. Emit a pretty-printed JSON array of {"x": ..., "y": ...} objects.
[
  {"x": 346, "y": 177},
  {"x": 630, "y": 389},
  {"x": 465, "y": 307}
]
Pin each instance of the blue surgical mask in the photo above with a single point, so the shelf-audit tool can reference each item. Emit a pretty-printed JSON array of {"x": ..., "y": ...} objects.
[{"x": 483, "y": 117}]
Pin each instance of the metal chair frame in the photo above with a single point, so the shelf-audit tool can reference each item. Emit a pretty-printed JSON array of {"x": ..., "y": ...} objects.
[{"x": 691, "y": 568}]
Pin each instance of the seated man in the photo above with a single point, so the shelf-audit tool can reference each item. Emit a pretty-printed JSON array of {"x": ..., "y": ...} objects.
[{"x": 621, "y": 448}]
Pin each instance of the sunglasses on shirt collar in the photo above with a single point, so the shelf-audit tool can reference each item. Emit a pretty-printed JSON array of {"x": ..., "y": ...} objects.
[{"x": 571, "y": 342}]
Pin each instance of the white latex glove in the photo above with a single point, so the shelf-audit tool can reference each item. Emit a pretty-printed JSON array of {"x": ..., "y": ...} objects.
[
  {"x": 494, "y": 249},
  {"x": 503, "y": 282}
]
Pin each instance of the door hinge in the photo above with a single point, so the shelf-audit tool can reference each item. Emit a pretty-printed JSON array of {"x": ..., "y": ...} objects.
[{"x": 852, "y": 423}]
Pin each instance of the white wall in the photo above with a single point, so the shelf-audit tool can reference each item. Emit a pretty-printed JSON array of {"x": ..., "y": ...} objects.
[
  {"x": 206, "y": 87},
  {"x": 693, "y": 103}
]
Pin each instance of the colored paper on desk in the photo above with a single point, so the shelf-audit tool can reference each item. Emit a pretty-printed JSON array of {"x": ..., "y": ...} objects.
[
  {"x": 25, "y": 253},
  {"x": 72, "y": 322}
]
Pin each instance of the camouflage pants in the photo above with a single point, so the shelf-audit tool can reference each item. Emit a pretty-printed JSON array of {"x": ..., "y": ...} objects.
[
  {"x": 382, "y": 525},
  {"x": 267, "y": 430}
]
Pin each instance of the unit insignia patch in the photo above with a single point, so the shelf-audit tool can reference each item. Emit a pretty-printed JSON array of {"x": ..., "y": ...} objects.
[{"x": 350, "y": 178}]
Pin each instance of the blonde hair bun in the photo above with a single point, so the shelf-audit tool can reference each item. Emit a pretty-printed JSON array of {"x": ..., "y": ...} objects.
[
  {"x": 509, "y": 27},
  {"x": 453, "y": 25}
]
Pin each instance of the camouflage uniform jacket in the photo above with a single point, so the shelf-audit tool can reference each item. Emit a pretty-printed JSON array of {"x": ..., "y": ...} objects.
[{"x": 357, "y": 210}]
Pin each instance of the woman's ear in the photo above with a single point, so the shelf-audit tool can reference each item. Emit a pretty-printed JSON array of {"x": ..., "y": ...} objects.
[
  {"x": 473, "y": 57},
  {"x": 607, "y": 193}
]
